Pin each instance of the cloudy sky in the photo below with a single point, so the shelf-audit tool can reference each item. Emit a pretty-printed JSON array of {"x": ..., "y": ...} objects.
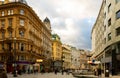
[{"x": 72, "y": 20}]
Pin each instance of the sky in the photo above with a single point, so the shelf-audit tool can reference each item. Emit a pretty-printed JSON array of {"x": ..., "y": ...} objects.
[{"x": 72, "y": 20}]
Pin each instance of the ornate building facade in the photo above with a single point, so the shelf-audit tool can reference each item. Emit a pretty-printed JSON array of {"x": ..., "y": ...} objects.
[
  {"x": 106, "y": 36},
  {"x": 24, "y": 38},
  {"x": 56, "y": 51},
  {"x": 66, "y": 54}
]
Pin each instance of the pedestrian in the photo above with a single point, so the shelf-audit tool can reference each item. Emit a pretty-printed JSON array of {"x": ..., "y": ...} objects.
[
  {"x": 62, "y": 72},
  {"x": 99, "y": 72},
  {"x": 56, "y": 70}
]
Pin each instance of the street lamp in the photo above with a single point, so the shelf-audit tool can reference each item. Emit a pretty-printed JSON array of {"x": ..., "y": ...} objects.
[{"x": 15, "y": 70}]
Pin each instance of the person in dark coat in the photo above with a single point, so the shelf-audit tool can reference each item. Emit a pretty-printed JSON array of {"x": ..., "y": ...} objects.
[
  {"x": 99, "y": 71},
  {"x": 56, "y": 70}
]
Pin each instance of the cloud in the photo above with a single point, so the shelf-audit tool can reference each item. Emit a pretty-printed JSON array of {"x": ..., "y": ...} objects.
[{"x": 71, "y": 19}]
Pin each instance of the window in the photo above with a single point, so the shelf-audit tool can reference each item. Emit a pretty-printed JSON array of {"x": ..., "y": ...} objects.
[
  {"x": 22, "y": 22},
  {"x": 3, "y": 58},
  {"x": 3, "y": 35},
  {"x": 109, "y": 36},
  {"x": 118, "y": 31},
  {"x": 109, "y": 8},
  {"x": 9, "y": 46},
  {"x": 117, "y": 1},
  {"x": 104, "y": 40},
  {"x": 10, "y": 12},
  {"x": 10, "y": 34},
  {"x": 3, "y": 23},
  {"x": 10, "y": 22},
  {"x": 21, "y": 57},
  {"x": 21, "y": 33},
  {"x": 105, "y": 1},
  {"x": 118, "y": 47},
  {"x": 105, "y": 28},
  {"x": 21, "y": 46},
  {"x": 22, "y": 12},
  {"x": 104, "y": 15},
  {"x": 109, "y": 22},
  {"x": 3, "y": 13},
  {"x": 118, "y": 14}
]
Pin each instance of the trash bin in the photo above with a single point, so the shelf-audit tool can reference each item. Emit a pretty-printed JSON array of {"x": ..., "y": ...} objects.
[{"x": 106, "y": 73}]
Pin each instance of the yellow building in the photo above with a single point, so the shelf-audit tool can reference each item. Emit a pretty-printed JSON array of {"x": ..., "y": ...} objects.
[
  {"x": 106, "y": 36},
  {"x": 24, "y": 38},
  {"x": 56, "y": 47},
  {"x": 56, "y": 51}
]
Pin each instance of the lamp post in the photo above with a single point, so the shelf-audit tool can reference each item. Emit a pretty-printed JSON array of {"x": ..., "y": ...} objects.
[{"x": 15, "y": 71}]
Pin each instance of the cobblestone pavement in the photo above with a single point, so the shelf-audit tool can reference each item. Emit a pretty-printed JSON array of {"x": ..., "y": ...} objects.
[{"x": 45, "y": 75}]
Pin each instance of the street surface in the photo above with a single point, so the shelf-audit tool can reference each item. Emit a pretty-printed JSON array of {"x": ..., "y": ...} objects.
[{"x": 45, "y": 75}]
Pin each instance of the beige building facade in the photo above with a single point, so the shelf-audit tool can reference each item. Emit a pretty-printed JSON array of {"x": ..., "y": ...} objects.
[
  {"x": 106, "y": 36},
  {"x": 66, "y": 54},
  {"x": 24, "y": 38}
]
